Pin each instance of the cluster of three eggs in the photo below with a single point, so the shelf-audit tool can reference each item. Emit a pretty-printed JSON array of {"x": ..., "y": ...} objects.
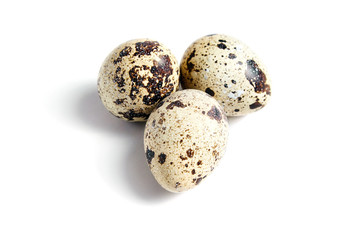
[{"x": 186, "y": 131}]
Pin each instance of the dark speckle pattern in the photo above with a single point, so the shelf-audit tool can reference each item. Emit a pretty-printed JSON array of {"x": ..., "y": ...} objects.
[
  {"x": 255, "y": 105},
  {"x": 145, "y": 48},
  {"x": 119, "y": 101},
  {"x": 176, "y": 103},
  {"x": 210, "y": 92},
  {"x": 215, "y": 114},
  {"x": 221, "y": 46},
  {"x": 125, "y": 52},
  {"x": 149, "y": 155},
  {"x": 190, "y": 153},
  {"x": 119, "y": 78},
  {"x": 157, "y": 86},
  {"x": 216, "y": 155},
  {"x": 162, "y": 158},
  {"x": 198, "y": 180},
  {"x": 131, "y": 114},
  {"x": 256, "y": 77},
  {"x": 190, "y": 65},
  {"x": 232, "y": 56}
]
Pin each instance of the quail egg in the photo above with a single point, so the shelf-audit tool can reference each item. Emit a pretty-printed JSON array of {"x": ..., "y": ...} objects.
[
  {"x": 185, "y": 138},
  {"x": 135, "y": 76},
  {"x": 229, "y": 71}
]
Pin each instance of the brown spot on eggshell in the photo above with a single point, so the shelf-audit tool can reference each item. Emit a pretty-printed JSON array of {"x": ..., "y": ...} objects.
[
  {"x": 162, "y": 158},
  {"x": 119, "y": 101},
  {"x": 231, "y": 56},
  {"x": 256, "y": 104},
  {"x": 125, "y": 52},
  {"x": 256, "y": 77},
  {"x": 221, "y": 46},
  {"x": 216, "y": 155},
  {"x": 210, "y": 92},
  {"x": 190, "y": 153},
  {"x": 119, "y": 78},
  {"x": 145, "y": 48},
  {"x": 198, "y": 180},
  {"x": 149, "y": 155},
  {"x": 215, "y": 114},
  {"x": 163, "y": 68},
  {"x": 131, "y": 115},
  {"x": 190, "y": 65},
  {"x": 157, "y": 85},
  {"x": 176, "y": 103}
]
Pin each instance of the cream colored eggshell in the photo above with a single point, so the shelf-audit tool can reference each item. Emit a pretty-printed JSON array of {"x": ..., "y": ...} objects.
[
  {"x": 184, "y": 139},
  {"x": 135, "y": 76},
  {"x": 228, "y": 70}
]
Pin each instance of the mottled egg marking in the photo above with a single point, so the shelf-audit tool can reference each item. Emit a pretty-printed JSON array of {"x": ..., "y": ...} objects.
[
  {"x": 184, "y": 139},
  {"x": 135, "y": 76},
  {"x": 228, "y": 70}
]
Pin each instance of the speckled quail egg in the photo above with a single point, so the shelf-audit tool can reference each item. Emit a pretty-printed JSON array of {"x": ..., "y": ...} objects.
[
  {"x": 229, "y": 71},
  {"x": 135, "y": 76},
  {"x": 184, "y": 139}
]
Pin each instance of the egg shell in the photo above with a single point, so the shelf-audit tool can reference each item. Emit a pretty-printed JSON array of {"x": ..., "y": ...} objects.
[
  {"x": 184, "y": 139},
  {"x": 135, "y": 76},
  {"x": 228, "y": 70}
]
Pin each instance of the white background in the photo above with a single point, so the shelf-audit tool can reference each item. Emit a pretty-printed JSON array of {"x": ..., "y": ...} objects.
[{"x": 70, "y": 170}]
